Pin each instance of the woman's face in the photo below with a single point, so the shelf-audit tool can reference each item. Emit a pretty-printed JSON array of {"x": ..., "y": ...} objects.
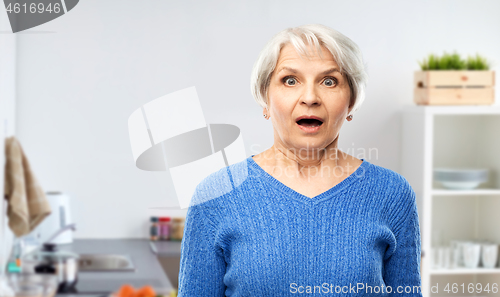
[{"x": 302, "y": 87}]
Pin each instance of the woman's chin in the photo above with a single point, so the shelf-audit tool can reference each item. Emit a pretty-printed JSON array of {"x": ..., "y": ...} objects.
[{"x": 304, "y": 144}]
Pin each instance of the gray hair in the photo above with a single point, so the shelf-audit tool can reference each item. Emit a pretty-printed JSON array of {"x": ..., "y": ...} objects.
[{"x": 344, "y": 51}]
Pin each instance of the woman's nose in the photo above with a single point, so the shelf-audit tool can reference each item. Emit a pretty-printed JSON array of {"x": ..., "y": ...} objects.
[{"x": 310, "y": 95}]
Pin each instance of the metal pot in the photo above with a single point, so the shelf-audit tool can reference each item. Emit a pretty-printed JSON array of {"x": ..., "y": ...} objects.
[{"x": 49, "y": 260}]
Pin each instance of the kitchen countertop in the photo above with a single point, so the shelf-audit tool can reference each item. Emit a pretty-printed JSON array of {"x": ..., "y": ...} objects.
[
  {"x": 148, "y": 270},
  {"x": 166, "y": 248}
]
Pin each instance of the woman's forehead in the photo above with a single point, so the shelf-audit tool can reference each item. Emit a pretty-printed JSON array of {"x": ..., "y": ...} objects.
[{"x": 289, "y": 54}]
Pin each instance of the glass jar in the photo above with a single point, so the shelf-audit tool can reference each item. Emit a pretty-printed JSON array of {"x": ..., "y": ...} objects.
[
  {"x": 153, "y": 229},
  {"x": 164, "y": 227},
  {"x": 177, "y": 229}
]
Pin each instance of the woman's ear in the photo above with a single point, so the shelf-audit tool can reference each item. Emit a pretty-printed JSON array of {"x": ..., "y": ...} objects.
[
  {"x": 349, "y": 117},
  {"x": 265, "y": 113}
]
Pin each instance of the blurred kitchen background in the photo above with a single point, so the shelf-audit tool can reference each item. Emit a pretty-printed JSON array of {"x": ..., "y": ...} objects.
[{"x": 68, "y": 87}]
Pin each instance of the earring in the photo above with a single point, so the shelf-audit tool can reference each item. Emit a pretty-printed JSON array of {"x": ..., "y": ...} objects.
[
  {"x": 265, "y": 115},
  {"x": 350, "y": 117}
]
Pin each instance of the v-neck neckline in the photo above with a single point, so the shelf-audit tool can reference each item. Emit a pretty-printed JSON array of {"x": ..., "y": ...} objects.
[{"x": 357, "y": 175}]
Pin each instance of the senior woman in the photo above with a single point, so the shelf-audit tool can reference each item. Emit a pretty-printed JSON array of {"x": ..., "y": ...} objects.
[{"x": 303, "y": 216}]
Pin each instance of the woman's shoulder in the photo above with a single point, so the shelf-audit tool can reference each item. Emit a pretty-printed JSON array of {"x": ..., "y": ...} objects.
[
  {"x": 399, "y": 194},
  {"x": 220, "y": 183},
  {"x": 389, "y": 178}
]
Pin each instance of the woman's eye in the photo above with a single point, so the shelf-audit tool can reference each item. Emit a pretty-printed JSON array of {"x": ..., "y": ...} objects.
[
  {"x": 330, "y": 82},
  {"x": 289, "y": 80}
]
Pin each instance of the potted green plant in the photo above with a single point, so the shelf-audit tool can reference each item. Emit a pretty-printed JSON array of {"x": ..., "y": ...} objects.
[{"x": 451, "y": 80}]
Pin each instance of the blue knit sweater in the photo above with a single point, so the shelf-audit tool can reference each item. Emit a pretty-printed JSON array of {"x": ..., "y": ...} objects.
[{"x": 247, "y": 234}]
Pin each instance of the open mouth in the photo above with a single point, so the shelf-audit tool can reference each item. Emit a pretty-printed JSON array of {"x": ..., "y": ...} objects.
[{"x": 309, "y": 122}]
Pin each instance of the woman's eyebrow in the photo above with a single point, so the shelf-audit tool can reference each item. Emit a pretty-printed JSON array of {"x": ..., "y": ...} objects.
[{"x": 331, "y": 70}]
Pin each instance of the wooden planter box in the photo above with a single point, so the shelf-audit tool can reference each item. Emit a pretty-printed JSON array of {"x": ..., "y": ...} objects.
[{"x": 454, "y": 87}]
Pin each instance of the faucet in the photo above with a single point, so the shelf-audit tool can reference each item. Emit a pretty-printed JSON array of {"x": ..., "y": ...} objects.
[{"x": 59, "y": 232}]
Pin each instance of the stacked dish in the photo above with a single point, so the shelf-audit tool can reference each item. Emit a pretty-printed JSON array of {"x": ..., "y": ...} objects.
[{"x": 461, "y": 179}]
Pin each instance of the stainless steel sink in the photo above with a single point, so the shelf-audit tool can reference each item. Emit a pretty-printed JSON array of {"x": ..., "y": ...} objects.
[{"x": 105, "y": 262}]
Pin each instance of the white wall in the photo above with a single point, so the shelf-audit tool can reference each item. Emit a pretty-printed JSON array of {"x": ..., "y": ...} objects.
[
  {"x": 81, "y": 76},
  {"x": 7, "y": 121}
]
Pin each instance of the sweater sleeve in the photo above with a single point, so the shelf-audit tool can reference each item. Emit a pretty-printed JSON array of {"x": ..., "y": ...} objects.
[
  {"x": 202, "y": 265},
  {"x": 402, "y": 267}
]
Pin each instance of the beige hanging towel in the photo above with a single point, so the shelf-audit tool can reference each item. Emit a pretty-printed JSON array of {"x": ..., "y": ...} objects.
[{"x": 28, "y": 205}]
